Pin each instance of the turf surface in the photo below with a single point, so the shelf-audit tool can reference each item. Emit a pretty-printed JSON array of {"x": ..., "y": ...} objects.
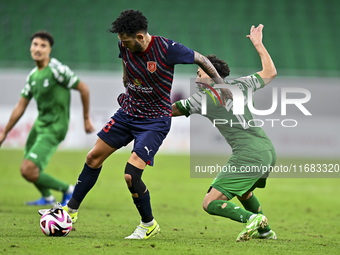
[{"x": 303, "y": 212}]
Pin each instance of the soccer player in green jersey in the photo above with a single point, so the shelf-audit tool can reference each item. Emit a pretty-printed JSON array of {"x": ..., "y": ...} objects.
[
  {"x": 250, "y": 145},
  {"x": 49, "y": 83}
]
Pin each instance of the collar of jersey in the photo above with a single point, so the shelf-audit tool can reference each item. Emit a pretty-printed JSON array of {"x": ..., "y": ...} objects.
[{"x": 149, "y": 46}]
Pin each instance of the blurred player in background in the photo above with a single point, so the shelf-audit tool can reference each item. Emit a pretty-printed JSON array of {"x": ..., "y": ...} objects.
[
  {"x": 145, "y": 113},
  {"x": 49, "y": 83},
  {"x": 250, "y": 145}
]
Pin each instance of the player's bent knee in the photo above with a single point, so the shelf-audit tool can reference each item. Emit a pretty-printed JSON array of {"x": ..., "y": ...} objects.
[
  {"x": 128, "y": 179},
  {"x": 23, "y": 172},
  {"x": 29, "y": 174},
  {"x": 245, "y": 196},
  {"x": 133, "y": 178},
  {"x": 93, "y": 161},
  {"x": 205, "y": 204},
  {"x": 204, "y": 207}
]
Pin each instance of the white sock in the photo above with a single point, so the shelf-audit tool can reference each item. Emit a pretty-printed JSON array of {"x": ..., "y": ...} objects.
[
  {"x": 70, "y": 210},
  {"x": 70, "y": 189},
  {"x": 252, "y": 217},
  {"x": 148, "y": 224},
  {"x": 264, "y": 234},
  {"x": 49, "y": 198}
]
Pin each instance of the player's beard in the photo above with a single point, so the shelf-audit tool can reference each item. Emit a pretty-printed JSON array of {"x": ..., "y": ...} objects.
[{"x": 138, "y": 48}]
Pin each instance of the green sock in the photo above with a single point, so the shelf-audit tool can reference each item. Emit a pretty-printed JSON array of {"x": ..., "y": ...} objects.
[
  {"x": 45, "y": 192},
  {"x": 253, "y": 205},
  {"x": 47, "y": 181},
  {"x": 229, "y": 210}
]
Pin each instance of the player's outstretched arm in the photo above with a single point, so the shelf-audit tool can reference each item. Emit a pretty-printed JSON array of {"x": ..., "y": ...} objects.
[
  {"x": 210, "y": 70},
  {"x": 268, "y": 72},
  {"x": 85, "y": 99},
  {"x": 15, "y": 116},
  {"x": 175, "y": 111}
]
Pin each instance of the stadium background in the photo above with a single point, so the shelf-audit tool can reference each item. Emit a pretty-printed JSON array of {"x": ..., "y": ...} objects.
[
  {"x": 302, "y": 37},
  {"x": 303, "y": 34}
]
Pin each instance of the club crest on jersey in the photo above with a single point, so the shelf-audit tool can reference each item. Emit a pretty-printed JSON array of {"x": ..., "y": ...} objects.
[
  {"x": 46, "y": 83},
  {"x": 152, "y": 66}
]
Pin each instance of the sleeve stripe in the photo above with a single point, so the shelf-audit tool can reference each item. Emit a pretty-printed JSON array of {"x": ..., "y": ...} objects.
[
  {"x": 181, "y": 108},
  {"x": 260, "y": 80},
  {"x": 55, "y": 73},
  {"x": 72, "y": 81}
]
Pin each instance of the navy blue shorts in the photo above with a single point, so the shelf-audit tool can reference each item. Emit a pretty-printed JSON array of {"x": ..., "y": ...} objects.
[{"x": 148, "y": 134}]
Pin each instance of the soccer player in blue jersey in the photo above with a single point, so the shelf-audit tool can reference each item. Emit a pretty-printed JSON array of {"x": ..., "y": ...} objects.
[{"x": 144, "y": 115}]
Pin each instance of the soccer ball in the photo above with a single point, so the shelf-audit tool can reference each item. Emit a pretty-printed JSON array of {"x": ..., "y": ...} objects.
[{"x": 56, "y": 222}]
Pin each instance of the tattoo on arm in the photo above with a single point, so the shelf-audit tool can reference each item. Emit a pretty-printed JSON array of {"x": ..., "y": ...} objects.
[
  {"x": 207, "y": 67},
  {"x": 210, "y": 70},
  {"x": 124, "y": 76}
]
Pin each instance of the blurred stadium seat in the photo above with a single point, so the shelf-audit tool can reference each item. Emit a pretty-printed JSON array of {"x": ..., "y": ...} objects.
[{"x": 302, "y": 36}]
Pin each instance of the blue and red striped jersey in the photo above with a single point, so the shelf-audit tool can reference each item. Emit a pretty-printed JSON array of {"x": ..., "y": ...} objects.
[{"x": 150, "y": 76}]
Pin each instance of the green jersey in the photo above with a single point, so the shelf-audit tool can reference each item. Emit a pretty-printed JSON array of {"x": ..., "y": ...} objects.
[
  {"x": 240, "y": 131},
  {"x": 50, "y": 87}
]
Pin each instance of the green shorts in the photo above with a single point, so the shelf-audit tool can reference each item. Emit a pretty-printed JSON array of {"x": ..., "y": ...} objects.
[
  {"x": 250, "y": 173},
  {"x": 39, "y": 148}
]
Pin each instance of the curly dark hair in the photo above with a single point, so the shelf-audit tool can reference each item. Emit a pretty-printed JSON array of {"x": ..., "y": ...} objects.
[
  {"x": 221, "y": 66},
  {"x": 130, "y": 22},
  {"x": 44, "y": 35}
]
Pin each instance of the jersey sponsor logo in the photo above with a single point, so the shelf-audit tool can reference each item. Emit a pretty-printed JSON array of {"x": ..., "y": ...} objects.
[
  {"x": 137, "y": 82},
  {"x": 214, "y": 91},
  {"x": 173, "y": 44},
  {"x": 152, "y": 66},
  {"x": 46, "y": 83},
  {"x": 204, "y": 97}
]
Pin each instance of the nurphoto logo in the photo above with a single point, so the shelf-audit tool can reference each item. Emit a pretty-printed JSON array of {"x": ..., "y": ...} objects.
[{"x": 238, "y": 103}]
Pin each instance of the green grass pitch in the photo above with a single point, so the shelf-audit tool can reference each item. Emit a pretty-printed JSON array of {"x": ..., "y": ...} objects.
[{"x": 303, "y": 212}]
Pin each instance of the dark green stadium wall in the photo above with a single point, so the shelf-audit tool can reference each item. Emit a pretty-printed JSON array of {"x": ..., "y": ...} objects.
[{"x": 301, "y": 35}]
